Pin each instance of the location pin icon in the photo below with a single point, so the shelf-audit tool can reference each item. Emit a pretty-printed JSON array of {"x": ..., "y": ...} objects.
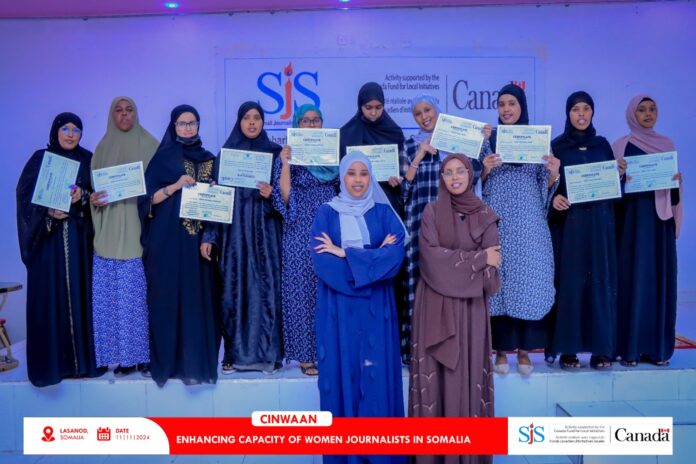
[{"x": 48, "y": 433}]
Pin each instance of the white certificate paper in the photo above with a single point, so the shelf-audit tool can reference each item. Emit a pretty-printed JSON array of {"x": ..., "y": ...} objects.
[
  {"x": 56, "y": 175},
  {"x": 239, "y": 168},
  {"x": 314, "y": 147},
  {"x": 592, "y": 182},
  {"x": 384, "y": 159},
  {"x": 523, "y": 144},
  {"x": 205, "y": 202},
  {"x": 651, "y": 172},
  {"x": 458, "y": 135},
  {"x": 120, "y": 182}
]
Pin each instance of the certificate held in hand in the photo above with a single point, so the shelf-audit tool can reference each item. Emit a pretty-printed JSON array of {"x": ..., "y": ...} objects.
[
  {"x": 592, "y": 182},
  {"x": 205, "y": 202},
  {"x": 120, "y": 182},
  {"x": 523, "y": 144},
  {"x": 314, "y": 147},
  {"x": 651, "y": 172},
  {"x": 239, "y": 168},
  {"x": 384, "y": 159},
  {"x": 56, "y": 175},
  {"x": 458, "y": 135}
]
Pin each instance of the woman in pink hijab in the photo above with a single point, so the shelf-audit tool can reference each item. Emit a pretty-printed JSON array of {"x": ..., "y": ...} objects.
[{"x": 648, "y": 225}]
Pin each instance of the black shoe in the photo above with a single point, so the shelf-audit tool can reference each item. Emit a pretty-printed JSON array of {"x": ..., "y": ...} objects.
[
  {"x": 145, "y": 370},
  {"x": 123, "y": 371}
]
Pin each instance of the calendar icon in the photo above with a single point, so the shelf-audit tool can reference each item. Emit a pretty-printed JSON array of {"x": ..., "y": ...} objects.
[{"x": 103, "y": 434}]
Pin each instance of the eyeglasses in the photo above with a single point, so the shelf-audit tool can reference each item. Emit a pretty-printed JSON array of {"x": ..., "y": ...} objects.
[
  {"x": 67, "y": 131},
  {"x": 460, "y": 172},
  {"x": 187, "y": 125},
  {"x": 307, "y": 121}
]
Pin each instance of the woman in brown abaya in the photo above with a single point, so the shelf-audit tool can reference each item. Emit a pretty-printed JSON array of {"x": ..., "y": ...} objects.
[{"x": 451, "y": 372}]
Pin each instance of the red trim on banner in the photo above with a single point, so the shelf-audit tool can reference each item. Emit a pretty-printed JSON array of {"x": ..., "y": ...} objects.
[{"x": 345, "y": 436}]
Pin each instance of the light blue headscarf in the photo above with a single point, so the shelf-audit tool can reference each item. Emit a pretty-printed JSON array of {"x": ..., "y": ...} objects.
[
  {"x": 351, "y": 210},
  {"x": 423, "y": 98},
  {"x": 322, "y": 173}
]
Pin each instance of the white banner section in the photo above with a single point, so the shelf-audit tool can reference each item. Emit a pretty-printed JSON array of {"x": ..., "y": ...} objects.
[
  {"x": 93, "y": 435},
  {"x": 590, "y": 435}
]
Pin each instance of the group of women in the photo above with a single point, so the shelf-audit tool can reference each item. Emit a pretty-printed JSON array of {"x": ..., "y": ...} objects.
[{"x": 346, "y": 275}]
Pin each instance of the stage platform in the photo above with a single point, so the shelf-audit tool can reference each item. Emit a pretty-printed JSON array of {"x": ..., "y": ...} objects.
[{"x": 550, "y": 391}]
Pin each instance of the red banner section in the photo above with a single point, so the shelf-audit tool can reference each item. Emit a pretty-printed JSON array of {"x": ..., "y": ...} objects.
[{"x": 343, "y": 436}]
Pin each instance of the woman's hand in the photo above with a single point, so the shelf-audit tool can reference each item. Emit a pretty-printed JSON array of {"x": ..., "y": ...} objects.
[
  {"x": 490, "y": 162},
  {"x": 75, "y": 194},
  {"x": 560, "y": 203},
  {"x": 265, "y": 189},
  {"x": 206, "y": 249},
  {"x": 327, "y": 246},
  {"x": 678, "y": 177},
  {"x": 99, "y": 199},
  {"x": 423, "y": 149},
  {"x": 285, "y": 155},
  {"x": 487, "y": 131},
  {"x": 184, "y": 180},
  {"x": 390, "y": 239},
  {"x": 553, "y": 164},
  {"x": 493, "y": 256},
  {"x": 56, "y": 214},
  {"x": 395, "y": 181},
  {"x": 621, "y": 165}
]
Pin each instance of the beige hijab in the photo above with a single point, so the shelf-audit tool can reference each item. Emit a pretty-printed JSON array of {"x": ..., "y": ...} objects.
[{"x": 117, "y": 225}]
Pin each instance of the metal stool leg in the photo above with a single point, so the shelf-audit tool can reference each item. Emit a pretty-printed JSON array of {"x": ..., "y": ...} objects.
[{"x": 7, "y": 362}]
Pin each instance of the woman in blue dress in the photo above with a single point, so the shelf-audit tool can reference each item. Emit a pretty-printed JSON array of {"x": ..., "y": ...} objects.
[
  {"x": 357, "y": 251},
  {"x": 298, "y": 193},
  {"x": 519, "y": 194}
]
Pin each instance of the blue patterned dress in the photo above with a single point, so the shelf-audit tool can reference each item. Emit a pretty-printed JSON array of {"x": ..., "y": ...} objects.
[
  {"x": 519, "y": 194},
  {"x": 299, "y": 282}
]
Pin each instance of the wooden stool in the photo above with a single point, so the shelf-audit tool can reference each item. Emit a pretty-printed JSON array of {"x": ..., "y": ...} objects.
[{"x": 7, "y": 362}]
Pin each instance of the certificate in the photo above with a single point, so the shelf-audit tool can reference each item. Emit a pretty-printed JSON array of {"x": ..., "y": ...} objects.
[
  {"x": 592, "y": 182},
  {"x": 314, "y": 147},
  {"x": 239, "y": 168},
  {"x": 384, "y": 159},
  {"x": 205, "y": 202},
  {"x": 651, "y": 172},
  {"x": 523, "y": 144},
  {"x": 120, "y": 182},
  {"x": 56, "y": 175},
  {"x": 458, "y": 135}
]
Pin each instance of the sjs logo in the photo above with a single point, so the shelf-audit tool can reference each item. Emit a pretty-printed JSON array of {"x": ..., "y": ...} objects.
[
  {"x": 272, "y": 84},
  {"x": 531, "y": 434}
]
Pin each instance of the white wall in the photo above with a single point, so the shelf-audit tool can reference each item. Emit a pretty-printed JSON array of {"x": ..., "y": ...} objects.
[{"x": 613, "y": 51}]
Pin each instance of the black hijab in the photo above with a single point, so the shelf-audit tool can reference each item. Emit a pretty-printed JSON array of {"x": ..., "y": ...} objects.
[
  {"x": 167, "y": 164},
  {"x": 30, "y": 217},
  {"x": 571, "y": 137},
  {"x": 238, "y": 141},
  {"x": 361, "y": 131},
  {"x": 517, "y": 92}
]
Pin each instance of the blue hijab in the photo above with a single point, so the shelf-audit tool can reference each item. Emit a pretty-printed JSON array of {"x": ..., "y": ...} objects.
[
  {"x": 422, "y": 135},
  {"x": 322, "y": 173},
  {"x": 351, "y": 210}
]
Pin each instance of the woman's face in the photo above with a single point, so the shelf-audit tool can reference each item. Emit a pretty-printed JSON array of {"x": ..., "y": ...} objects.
[
  {"x": 580, "y": 116},
  {"x": 251, "y": 123},
  {"x": 456, "y": 177},
  {"x": 425, "y": 115},
  {"x": 646, "y": 114},
  {"x": 311, "y": 119},
  {"x": 509, "y": 109},
  {"x": 357, "y": 179},
  {"x": 186, "y": 125},
  {"x": 69, "y": 136},
  {"x": 124, "y": 115},
  {"x": 372, "y": 110}
]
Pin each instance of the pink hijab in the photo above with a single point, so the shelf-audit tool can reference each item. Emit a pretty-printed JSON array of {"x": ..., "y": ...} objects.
[{"x": 650, "y": 142}]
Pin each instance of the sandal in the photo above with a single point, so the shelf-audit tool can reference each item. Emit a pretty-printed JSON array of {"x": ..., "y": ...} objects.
[
  {"x": 524, "y": 368},
  {"x": 655, "y": 362},
  {"x": 549, "y": 357},
  {"x": 627, "y": 363},
  {"x": 600, "y": 362},
  {"x": 569, "y": 361},
  {"x": 309, "y": 369},
  {"x": 228, "y": 368},
  {"x": 501, "y": 367}
]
